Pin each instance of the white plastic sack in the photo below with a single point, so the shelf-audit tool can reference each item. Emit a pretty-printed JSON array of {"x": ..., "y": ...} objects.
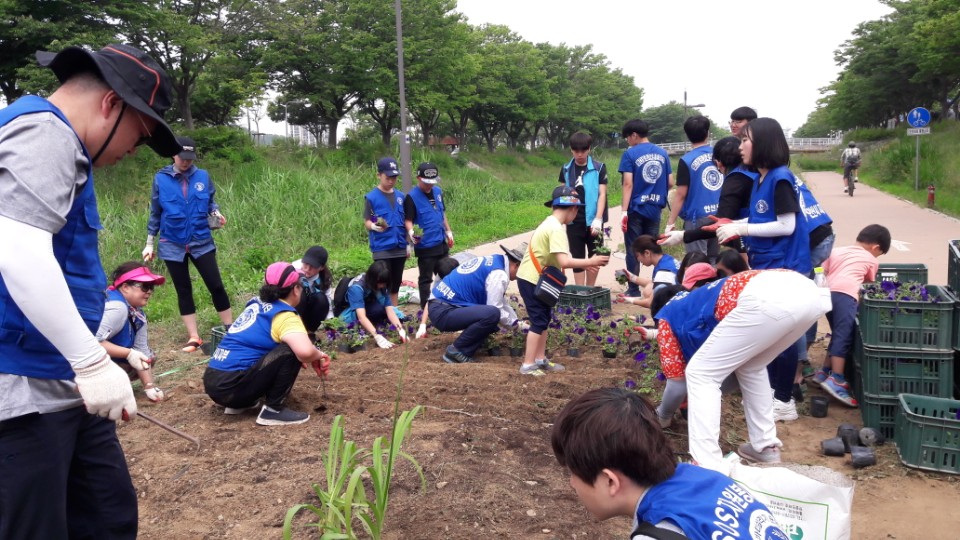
[
  {"x": 408, "y": 295},
  {"x": 809, "y": 502}
]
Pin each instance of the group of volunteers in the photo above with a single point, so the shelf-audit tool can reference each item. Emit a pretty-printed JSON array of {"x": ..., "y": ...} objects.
[{"x": 71, "y": 340}]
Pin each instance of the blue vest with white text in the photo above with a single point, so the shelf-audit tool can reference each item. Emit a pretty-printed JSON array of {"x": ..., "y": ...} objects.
[
  {"x": 812, "y": 212},
  {"x": 591, "y": 186},
  {"x": 467, "y": 285},
  {"x": 396, "y": 234},
  {"x": 429, "y": 218},
  {"x": 691, "y": 316},
  {"x": 707, "y": 504},
  {"x": 248, "y": 338},
  {"x": 703, "y": 195},
  {"x": 791, "y": 251},
  {"x": 23, "y": 349},
  {"x": 651, "y": 170},
  {"x": 184, "y": 217},
  {"x": 666, "y": 264}
]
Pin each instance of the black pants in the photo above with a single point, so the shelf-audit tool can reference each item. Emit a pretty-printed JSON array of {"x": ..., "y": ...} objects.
[
  {"x": 426, "y": 264},
  {"x": 206, "y": 265},
  {"x": 477, "y": 322},
  {"x": 272, "y": 378},
  {"x": 313, "y": 309},
  {"x": 583, "y": 245},
  {"x": 64, "y": 475},
  {"x": 395, "y": 265}
]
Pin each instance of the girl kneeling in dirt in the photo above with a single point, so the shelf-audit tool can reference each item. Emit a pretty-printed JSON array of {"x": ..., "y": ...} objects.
[
  {"x": 263, "y": 351},
  {"x": 736, "y": 325},
  {"x": 369, "y": 304},
  {"x": 123, "y": 327}
]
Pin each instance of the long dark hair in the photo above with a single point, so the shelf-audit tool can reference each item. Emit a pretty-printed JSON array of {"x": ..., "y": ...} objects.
[{"x": 378, "y": 273}]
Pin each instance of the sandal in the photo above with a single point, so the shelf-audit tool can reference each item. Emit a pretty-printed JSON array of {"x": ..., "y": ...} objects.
[
  {"x": 153, "y": 392},
  {"x": 193, "y": 345}
]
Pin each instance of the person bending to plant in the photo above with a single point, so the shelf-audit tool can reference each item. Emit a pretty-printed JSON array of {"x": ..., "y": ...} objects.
[
  {"x": 369, "y": 304},
  {"x": 263, "y": 351},
  {"x": 846, "y": 269},
  {"x": 548, "y": 247},
  {"x": 123, "y": 328},
  {"x": 621, "y": 464},
  {"x": 649, "y": 253}
]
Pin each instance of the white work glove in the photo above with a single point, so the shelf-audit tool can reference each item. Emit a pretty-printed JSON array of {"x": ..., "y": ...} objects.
[
  {"x": 106, "y": 391},
  {"x": 672, "y": 238},
  {"x": 218, "y": 215},
  {"x": 669, "y": 228},
  {"x": 409, "y": 251},
  {"x": 382, "y": 342},
  {"x": 450, "y": 238},
  {"x": 403, "y": 335},
  {"x": 376, "y": 228},
  {"x": 524, "y": 325},
  {"x": 138, "y": 360},
  {"x": 596, "y": 226},
  {"x": 648, "y": 334},
  {"x": 148, "y": 249},
  {"x": 410, "y": 237},
  {"x": 422, "y": 331},
  {"x": 731, "y": 231}
]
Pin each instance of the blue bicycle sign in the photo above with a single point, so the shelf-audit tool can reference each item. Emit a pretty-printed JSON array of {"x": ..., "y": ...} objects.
[{"x": 918, "y": 117}]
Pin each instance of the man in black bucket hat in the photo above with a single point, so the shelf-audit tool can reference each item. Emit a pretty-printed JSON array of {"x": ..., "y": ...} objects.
[{"x": 63, "y": 470}]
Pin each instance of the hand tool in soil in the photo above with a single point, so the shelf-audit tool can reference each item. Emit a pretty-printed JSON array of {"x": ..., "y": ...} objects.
[{"x": 170, "y": 428}]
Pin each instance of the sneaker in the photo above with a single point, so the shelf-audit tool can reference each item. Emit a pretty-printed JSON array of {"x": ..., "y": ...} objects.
[
  {"x": 285, "y": 416},
  {"x": 241, "y": 410},
  {"x": 770, "y": 454},
  {"x": 818, "y": 377},
  {"x": 453, "y": 356},
  {"x": 844, "y": 190},
  {"x": 784, "y": 412},
  {"x": 549, "y": 365},
  {"x": 532, "y": 369},
  {"x": 839, "y": 391}
]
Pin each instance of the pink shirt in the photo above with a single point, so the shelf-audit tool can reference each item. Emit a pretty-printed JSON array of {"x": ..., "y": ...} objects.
[{"x": 849, "y": 267}]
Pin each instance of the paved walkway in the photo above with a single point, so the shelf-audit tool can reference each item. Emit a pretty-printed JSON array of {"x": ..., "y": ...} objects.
[{"x": 920, "y": 235}]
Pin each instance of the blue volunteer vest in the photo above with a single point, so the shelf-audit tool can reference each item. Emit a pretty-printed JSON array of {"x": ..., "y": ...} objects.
[
  {"x": 467, "y": 285},
  {"x": 812, "y": 213},
  {"x": 126, "y": 335},
  {"x": 666, "y": 264},
  {"x": 23, "y": 350},
  {"x": 691, "y": 316},
  {"x": 429, "y": 219},
  {"x": 707, "y": 504},
  {"x": 591, "y": 186},
  {"x": 651, "y": 167},
  {"x": 184, "y": 219},
  {"x": 248, "y": 338},
  {"x": 703, "y": 195},
  {"x": 396, "y": 234},
  {"x": 792, "y": 251}
]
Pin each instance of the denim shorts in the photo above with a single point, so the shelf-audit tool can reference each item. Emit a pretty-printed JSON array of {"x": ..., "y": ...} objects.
[{"x": 538, "y": 312}]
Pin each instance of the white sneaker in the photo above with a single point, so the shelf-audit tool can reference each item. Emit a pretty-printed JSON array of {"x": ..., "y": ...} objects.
[
  {"x": 770, "y": 454},
  {"x": 784, "y": 412}
]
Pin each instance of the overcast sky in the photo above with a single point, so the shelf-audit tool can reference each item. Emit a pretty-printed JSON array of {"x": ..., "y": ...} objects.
[{"x": 771, "y": 55}]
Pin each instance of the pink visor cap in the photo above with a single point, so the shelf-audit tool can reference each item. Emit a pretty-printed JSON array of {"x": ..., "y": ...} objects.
[{"x": 281, "y": 274}]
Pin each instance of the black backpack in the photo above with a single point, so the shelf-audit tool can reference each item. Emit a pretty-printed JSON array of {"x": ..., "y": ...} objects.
[{"x": 340, "y": 295}]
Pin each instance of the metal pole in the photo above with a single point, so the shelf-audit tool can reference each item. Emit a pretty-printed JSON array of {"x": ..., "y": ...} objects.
[
  {"x": 286, "y": 122},
  {"x": 405, "y": 165},
  {"x": 916, "y": 166}
]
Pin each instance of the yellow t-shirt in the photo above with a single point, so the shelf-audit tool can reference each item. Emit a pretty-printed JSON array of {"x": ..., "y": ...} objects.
[
  {"x": 286, "y": 323},
  {"x": 548, "y": 240}
]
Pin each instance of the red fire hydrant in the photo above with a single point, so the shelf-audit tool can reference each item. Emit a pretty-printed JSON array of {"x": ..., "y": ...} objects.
[{"x": 931, "y": 196}]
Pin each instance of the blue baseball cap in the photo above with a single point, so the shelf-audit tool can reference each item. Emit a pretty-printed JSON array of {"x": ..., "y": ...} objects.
[
  {"x": 564, "y": 196},
  {"x": 388, "y": 166}
]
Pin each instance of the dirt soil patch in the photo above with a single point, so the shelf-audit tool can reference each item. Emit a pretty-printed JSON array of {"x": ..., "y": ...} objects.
[{"x": 483, "y": 443}]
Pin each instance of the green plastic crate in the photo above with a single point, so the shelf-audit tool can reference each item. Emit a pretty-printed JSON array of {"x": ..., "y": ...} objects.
[
  {"x": 913, "y": 325},
  {"x": 216, "y": 335},
  {"x": 928, "y": 433},
  {"x": 953, "y": 265},
  {"x": 902, "y": 272},
  {"x": 888, "y": 372},
  {"x": 583, "y": 296},
  {"x": 880, "y": 413}
]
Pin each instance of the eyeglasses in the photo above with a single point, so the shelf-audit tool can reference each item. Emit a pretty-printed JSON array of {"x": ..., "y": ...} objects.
[
  {"x": 737, "y": 122},
  {"x": 143, "y": 138},
  {"x": 145, "y": 287}
]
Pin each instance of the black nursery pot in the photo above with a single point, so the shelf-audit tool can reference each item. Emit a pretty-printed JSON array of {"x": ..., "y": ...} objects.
[
  {"x": 343, "y": 347},
  {"x": 573, "y": 352},
  {"x": 357, "y": 348},
  {"x": 494, "y": 351},
  {"x": 516, "y": 351},
  {"x": 609, "y": 354}
]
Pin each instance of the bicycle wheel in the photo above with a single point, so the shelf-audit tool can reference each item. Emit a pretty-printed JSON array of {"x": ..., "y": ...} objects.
[{"x": 850, "y": 184}]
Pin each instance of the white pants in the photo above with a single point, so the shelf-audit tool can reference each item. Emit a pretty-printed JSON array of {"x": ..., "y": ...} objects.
[{"x": 773, "y": 311}]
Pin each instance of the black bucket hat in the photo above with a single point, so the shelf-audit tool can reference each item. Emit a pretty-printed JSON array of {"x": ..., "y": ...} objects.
[{"x": 138, "y": 79}]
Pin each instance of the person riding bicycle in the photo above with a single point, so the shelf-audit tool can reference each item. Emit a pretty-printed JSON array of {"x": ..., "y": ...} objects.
[{"x": 850, "y": 160}]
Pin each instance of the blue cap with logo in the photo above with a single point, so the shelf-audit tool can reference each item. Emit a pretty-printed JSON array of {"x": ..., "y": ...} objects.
[
  {"x": 564, "y": 196},
  {"x": 388, "y": 166}
]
